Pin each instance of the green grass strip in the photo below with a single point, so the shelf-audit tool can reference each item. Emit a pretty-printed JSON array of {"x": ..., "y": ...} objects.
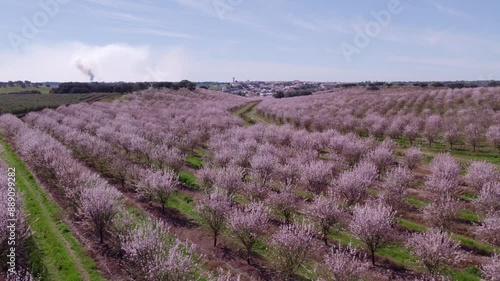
[
  {"x": 188, "y": 178},
  {"x": 416, "y": 202},
  {"x": 244, "y": 111},
  {"x": 59, "y": 251},
  {"x": 412, "y": 226},
  {"x": 194, "y": 161}
]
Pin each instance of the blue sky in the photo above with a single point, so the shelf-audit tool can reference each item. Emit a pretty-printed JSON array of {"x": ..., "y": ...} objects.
[{"x": 205, "y": 40}]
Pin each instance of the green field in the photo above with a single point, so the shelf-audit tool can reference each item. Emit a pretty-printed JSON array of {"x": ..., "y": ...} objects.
[
  {"x": 24, "y": 103},
  {"x": 16, "y": 89}
]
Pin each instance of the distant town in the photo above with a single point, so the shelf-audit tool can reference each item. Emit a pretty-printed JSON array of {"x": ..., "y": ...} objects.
[
  {"x": 270, "y": 88},
  {"x": 299, "y": 88}
]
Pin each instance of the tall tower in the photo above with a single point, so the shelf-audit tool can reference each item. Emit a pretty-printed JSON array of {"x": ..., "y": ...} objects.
[{"x": 234, "y": 80}]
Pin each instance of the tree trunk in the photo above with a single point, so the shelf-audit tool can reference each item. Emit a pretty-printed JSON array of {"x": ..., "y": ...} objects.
[
  {"x": 215, "y": 240},
  {"x": 373, "y": 257}
]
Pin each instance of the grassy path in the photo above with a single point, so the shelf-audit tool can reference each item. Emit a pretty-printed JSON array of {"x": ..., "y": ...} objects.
[
  {"x": 244, "y": 113},
  {"x": 62, "y": 255}
]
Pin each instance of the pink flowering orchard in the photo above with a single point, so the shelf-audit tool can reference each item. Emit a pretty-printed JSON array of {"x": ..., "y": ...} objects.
[{"x": 346, "y": 184}]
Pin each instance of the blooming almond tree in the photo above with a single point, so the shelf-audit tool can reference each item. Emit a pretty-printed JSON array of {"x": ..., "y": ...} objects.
[
  {"x": 160, "y": 185},
  {"x": 434, "y": 249},
  {"x": 445, "y": 175},
  {"x": 248, "y": 224},
  {"x": 395, "y": 187},
  {"x": 327, "y": 212},
  {"x": 491, "y": 270},
  {"x": 412, "y": 158},
  {"x": 489, "y": 198},
  {"x": 344, "y": 264},
  {"x": 411, "y": 132},
  {"x": 150, "y": 254},
  {"x": 316, "y": 176},
  {"x": 452, "y": 134},
  {"x": 206, "y": 178},
  {"x": 432, "y": 128},
  {"x": 263, "y": 167},
  {"x": 230, "y": 179},
  {"x": 473, "y": 134},
  {"x": 372, "y": 223},
  {"x": 292, "y": 245},
  {"x": 442, "y": 211},
  {"x": 100, "y": 204},
  {"x": 352, "y": 185},
  {"x": 284, "y": 203},
  {"x": 481, "y": 173},
  {"x": 289, "y": 173},
  {"x": 381, "y": 157},
  {"x": 489, "y": 230},
  {"x": 213, "y": 210},
  {"x": 493, "y": 136}
]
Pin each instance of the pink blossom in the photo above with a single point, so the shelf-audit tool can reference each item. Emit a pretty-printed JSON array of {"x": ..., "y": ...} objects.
[
  {"x": 489, "y": 230},
  {"x": 99, "y": 205},
  {"x": 445, "y": 174},
  {"x": 493, "y": 135},
  {"x": 248, "y": 224},
  {"x": 344, "y": 264},
  {"x": 480, "y": 173},
  {"x": 159, "y": 185},
  {"x": 284, "y": 202},
  {"x": 352, "y": 185},
  {"x": 442, "y": 211},
  {"x": 412, "y": 157},
  {"x": 489, "y": 198},
  {"x": 327, "y": 212},
  {"x": 292, "y": 245},
  {"x": 491, "y": 270},
  {"x": 394, "y": 189},
  {"x": 213, "y": 210},
  {"x": 372, "y": 223},
  {"x": 434, "y": 249},
  {"x": 316, "y": 176}
]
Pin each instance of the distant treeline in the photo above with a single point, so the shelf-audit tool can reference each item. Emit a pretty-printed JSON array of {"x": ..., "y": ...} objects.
[
  {"x": 32, "y": 92},
  {"x": 175, "y": 86},
  {"x": 374, "y": 86},
  {"x": 280, "y": 94},
  {"x": 22, "y": 84},
  {"x": 122, "y": 87}
]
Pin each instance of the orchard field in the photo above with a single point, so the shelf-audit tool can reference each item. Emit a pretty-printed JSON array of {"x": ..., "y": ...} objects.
[{"x": 397, "y": 184}]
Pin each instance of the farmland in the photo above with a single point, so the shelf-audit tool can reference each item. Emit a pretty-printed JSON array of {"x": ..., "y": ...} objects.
[
  {"x": 17, "y": 89},
  {"x": 349, "y": 184},
  {"x": 20, "y": 104}
]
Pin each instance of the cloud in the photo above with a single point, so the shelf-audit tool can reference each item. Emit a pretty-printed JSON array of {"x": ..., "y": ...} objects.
[
  {"x": 123, "y": 4},
  {"x": 122, "y": 62},
  {"x": 449, "y": 10},
  {"x": 304, "y": 24},
  {"x": 112, "y": 62},
  {"x": 156, "y": 32}
]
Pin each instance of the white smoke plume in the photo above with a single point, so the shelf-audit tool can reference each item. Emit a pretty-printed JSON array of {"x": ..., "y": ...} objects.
[{"x": 85, "y": 69}]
